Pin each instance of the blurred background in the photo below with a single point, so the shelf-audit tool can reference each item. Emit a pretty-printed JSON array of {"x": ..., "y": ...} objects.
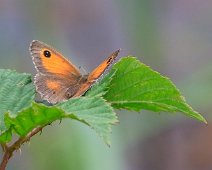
[{"x": 173, "y": 37}]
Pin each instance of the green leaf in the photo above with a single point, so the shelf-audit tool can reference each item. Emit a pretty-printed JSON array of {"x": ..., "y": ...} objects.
[
  {"x": 136, "y": 86},
  {"x": 32, "y": 117},
  {"x": 16, "y": 93},
  {"x": 6, "y": 136},
  {"x": 93, "y": 111}
]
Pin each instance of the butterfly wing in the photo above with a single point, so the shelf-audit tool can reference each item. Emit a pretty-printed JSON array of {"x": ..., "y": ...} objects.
[
  {"x": 57, "y": 78},
  {"x": 55, "y": 73},
  {"x": 54, "y": 88},
  {"x": 47, "y": 60},
  {"x": 96, "y": 73}
]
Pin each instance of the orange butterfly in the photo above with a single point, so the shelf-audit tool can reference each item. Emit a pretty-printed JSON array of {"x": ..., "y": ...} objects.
[{"x": 57, "y": 78}]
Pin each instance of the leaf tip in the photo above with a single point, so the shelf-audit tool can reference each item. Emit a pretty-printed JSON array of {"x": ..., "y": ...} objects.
[
  {"x": 200, "y": 118},
  {"x": 204, "y": 120}
]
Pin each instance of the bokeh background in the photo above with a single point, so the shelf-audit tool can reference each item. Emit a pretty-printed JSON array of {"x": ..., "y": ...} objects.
[{"x": 174, "y": 37}]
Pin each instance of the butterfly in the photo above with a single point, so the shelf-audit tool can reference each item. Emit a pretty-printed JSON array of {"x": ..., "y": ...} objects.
[{"x": 57, "y": 79}]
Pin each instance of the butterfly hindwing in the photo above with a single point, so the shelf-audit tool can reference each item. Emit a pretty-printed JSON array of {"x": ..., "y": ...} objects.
[{"x": 54, "y": 89}]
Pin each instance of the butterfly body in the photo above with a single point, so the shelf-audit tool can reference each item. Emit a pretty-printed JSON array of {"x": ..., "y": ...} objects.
[{"x": 57, "y": 78}]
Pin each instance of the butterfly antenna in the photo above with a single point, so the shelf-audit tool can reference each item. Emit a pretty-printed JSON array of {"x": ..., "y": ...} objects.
[{"x": 84, "y": 71}]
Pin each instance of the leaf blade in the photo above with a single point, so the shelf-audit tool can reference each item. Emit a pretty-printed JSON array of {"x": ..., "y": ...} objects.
[
  {"x": 136, "y": 86},
  {"x": 93, "y": 111},
  {"x": 16, "y": 93}
]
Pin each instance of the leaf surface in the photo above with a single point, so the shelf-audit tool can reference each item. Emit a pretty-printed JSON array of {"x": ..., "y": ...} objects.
[
  {"x": 16, "y": 93},
  {"x": 136, "y": 86}
]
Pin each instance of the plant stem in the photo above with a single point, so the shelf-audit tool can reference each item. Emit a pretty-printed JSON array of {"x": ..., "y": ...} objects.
[
  {"x": 8, "y": 152},
  {"x": 7, "y": 156}
]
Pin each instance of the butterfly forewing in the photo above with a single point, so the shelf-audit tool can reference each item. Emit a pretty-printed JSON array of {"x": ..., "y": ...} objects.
[
  {"x": 47, "y": 60},
  {"x": 97, "y": 72}
]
